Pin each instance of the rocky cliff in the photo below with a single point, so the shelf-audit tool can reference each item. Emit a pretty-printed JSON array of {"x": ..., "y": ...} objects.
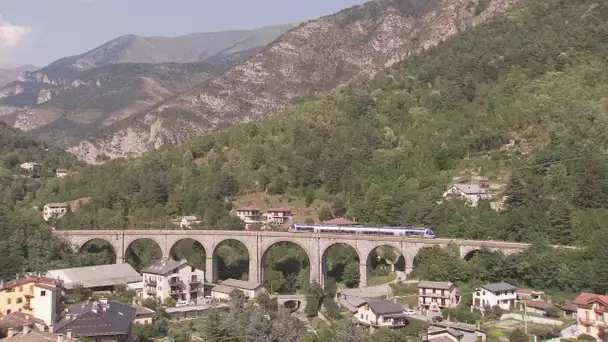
[
  {"x": 313, "y": 58},
  {"x": 34, "y": 87}
]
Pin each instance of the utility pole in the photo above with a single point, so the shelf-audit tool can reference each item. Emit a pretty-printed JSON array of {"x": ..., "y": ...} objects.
[{"x": 525, "y": 319}]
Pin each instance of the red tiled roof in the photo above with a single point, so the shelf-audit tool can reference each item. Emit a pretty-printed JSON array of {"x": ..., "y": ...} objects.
[
  {"x": 280, "y": 210},
  {"x": 586, "y": 299},
  {"x": 340, "y": 221},
  {"x": 247, "y": 208},
  {"x": 29, "y": 278}
]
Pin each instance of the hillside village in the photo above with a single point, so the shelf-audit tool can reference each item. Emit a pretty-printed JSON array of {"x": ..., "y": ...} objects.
[{"x": 116, "y": 302}]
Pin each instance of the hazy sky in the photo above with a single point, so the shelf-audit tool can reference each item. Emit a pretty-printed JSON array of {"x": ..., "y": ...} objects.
[{"x": 41, "y": 31}]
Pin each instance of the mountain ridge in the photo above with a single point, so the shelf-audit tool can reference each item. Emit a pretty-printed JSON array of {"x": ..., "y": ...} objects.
[{"x": 306, "y": 61}]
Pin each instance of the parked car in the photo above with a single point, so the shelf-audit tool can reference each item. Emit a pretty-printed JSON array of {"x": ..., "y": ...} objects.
[
  {"x": 182, "y": 303},
  {"x": 410, "y": 312}
]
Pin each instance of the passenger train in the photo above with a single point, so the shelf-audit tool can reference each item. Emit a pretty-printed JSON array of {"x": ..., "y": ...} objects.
[{"x": 362, "y": 230}]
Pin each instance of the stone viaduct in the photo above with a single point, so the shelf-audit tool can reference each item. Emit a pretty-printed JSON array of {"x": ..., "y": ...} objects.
[{"x": 314, "y": 244}]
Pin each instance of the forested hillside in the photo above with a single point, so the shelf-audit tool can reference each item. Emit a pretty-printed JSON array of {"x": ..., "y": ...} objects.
[
  {"x": 520, "y": 100},
  {"x": 26, "y": 244},
  {"x": 387, "y": 148}
]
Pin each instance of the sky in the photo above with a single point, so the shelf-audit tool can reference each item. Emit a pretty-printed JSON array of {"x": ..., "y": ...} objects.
[{"x": 41, "y": 31}]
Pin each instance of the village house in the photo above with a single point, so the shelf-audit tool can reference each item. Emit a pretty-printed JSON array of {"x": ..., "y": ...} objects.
[
  {"x": 250, "y": 289},
  {"x": 31, "y": 167},
  {"x": 98, "y": 278},
  {"x": 471, "y": 193},
  {"x": 450, "y": 331},
  {"x": 502, "y": 294},
  {"x": 60, "y": 173},
  {"x": 249, "y": 214},
  {"x": 350, "y": 303},
  {"x": 188, "y": 221},
  {"x": 538, "y": 307},
  {"x": 54, "y": 210},
  {"x": 434, "y": 294},
  {"x": 33, "y": 295},
  {"x": 592, "y": 314},
  {"x": 101, "y": 321},
  {"x": 527, "y": 294},
  {"x": 278, "y": 215},
  {"x": 31, "y": 333},
  {"x": 386, "y": 313},
  {"x": 175, "y": 279},
  {"x": 143, "y": 315},
  {"x": 18, "y": 320},
  {"x": 339, "y": 221},
  {"x": 569, "y": 309}
]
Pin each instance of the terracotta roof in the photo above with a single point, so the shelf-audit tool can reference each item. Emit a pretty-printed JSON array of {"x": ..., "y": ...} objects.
[
  {"x": 247, "y": 208},
  {"x": 586, "y": 299},
  {"x": 278, "y": 210},
  {"x": 568, "y": 306},
  {"x": 39, "y": 280},
  {"x": 340, "y": 221}
]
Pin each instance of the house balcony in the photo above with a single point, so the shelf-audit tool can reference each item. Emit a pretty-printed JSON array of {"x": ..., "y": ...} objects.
[
  {"x": 586, "y": 321},
  {"x": 195, "y": 280},
  {"x": 177, "y": 291},
  {"x": 151, "y": 281},
  {"x": 435, "y": 295},
  {"x": 28, "y": 295},
  {"x": 27, "y": 306}
]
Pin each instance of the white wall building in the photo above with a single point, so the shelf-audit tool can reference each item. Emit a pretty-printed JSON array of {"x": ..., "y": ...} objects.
[
  {"x": 60, "y": 173},
  {"x": 250, "y": 289},
  {"x": 471, "y": 193},
  {"x": 249, "y": 214},
  {"x": 31, "y": 167},
  {"x": 381, "y": 314},
  {"x": 502, "y": 294},
  {"x": 188, "y": 221},
  {"x": 170, "y": 278},
  {"x": 54, "y": 210},
  {"x": 278, "y": 215}
]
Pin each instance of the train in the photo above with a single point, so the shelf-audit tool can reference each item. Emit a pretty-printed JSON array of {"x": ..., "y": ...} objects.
[{"x": 362, "y": 230}]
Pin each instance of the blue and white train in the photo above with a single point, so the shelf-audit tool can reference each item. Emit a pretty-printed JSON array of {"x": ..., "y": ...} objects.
[{"x": 362, "y": 230}]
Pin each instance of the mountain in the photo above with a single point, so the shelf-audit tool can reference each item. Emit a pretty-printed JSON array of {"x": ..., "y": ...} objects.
[
  {"x": 104, "y": 95},
  {"x": 33, "y": 90},
  {"x": 517, "y": 105},
  {"x": 8, "y": 75},
  {"x": 309, "y": 60}
]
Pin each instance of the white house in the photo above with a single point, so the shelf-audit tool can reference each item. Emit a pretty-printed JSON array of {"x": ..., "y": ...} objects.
[
  {"x": 31, "y": 167},
  {"x": 60, "y": 173},
  {"x": 278, "y": 215},
  {"x": 175, "y": 279},
  {"x": 54, "y": 210},
  {"x": 502, "y": 294},
  {"x": 249, "y": 214},
  {"x": 188, "y": 221},
  {"x": 386, "y": 313},
  {"x": 471, "y": 193},
  {"x": 250, "y": 289}
]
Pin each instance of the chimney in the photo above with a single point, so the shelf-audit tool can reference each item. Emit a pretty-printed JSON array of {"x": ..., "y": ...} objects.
[
  {"x": 26, "y": 329},
  {"x": 11, "y": 332},
  {"x": 184, "y": 261},
  {"x": 59, "y": 337},
  {"x": 68, "y": 334},
  {"x": 1, "y": 283}
]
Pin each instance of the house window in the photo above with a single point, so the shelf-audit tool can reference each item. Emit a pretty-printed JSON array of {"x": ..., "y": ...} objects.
[
  {"x": 8, "y": 311},
  {"x": 19, "y": 300},
  {"x": 20, "y": 288},
  {"x": 8, "y": 301},
  {"x": 483, "y": 293},
  {"x": 361, "y": 316},
  {"x": 42, "y": 293},
  {"x": 192, "y": 269}
]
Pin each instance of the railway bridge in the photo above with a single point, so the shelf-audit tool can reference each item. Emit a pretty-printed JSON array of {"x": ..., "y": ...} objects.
[{"x": 258, "y": 243}]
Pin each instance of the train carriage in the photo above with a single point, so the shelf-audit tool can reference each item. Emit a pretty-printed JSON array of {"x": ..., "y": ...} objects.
[{"x": 362, "y": 230}]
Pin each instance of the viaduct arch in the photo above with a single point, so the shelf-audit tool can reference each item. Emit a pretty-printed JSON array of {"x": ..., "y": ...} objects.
[{"x": 257, "y": 243}]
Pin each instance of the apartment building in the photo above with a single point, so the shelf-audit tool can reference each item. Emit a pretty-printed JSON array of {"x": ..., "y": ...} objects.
[
  {"x": 502, "y": 294},
  {"x": 54, "y": 210},
  {"x": 175, "y": 279},
  {"x": 33, "y": 295},
  {"x": 435, "y": 294},
  {"x": 592, "y": 314},
  {"x": 381, "y": 314}
]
